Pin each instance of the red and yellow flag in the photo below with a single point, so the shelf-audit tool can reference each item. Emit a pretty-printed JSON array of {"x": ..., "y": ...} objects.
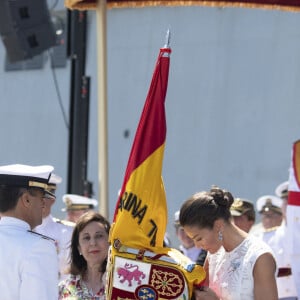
[
  {"x": 139, "y": 267},
  {"x": 293, "y": 214},
  {"x": 141, "y": 213}
]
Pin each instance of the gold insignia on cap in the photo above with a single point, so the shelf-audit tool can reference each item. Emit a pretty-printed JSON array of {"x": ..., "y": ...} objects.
[
  {"x": 268, "y": 201},
  {"x": 237, "y": 203},
  {"x": 37, "y": 184},
  {"x": 51, "y": 186},
  {"x": 68, "y": 202}
]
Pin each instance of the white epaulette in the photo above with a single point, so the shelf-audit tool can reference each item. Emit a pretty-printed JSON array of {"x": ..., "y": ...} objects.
[
  {"x": 42, "y": 235},
  {"x": 64, "y": 222}
]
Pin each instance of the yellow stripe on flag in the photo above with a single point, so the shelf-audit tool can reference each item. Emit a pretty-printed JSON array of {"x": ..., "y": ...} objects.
[{"x": 143, "y": 210}]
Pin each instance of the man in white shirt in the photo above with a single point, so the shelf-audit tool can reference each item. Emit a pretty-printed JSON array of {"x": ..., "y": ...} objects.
[
  {"x": 269, "y": 208},
  {"x": 280, "y": 245},
  {"x": 57, "y": 229},
  {"x": 77, "y": 205},
  {"x": 23, "y": 271}
]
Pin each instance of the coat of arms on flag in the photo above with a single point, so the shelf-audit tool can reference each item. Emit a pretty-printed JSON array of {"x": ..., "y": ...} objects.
[
  {"x": 139, "y": 266},
  {"x": 138, "y": 274}
]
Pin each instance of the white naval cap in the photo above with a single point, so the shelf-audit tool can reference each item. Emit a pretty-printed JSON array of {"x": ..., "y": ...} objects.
[
  {"x": 19, "y": 175},
  {"x": 76, "y": 202},
  {"x": 55, "y": 179},
  {"x": 241, "y": 207},
  {"x": 281, "y": 190},
  {"x": 269, "y": 203},
  {"x": 52, "y": 185},
  {"x": 176, "y": 217}
]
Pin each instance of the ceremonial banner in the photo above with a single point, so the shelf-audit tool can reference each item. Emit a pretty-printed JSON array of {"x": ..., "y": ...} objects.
[
  {"x": 291, "y": 5},
  {"x": 142, "y": 207},
  {"x": 293, "y": 213},
  {"x": 139, "y": 267}
]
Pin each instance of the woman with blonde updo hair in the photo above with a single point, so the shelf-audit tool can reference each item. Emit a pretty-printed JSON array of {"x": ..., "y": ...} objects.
[{"x": 238, "y": 266}]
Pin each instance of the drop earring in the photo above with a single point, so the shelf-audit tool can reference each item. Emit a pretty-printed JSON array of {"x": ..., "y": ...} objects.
[{"x": 220, "y": 236}]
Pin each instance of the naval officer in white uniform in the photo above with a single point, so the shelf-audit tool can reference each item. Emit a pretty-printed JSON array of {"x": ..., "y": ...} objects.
[
  {"x": 280, "y": 244},
  {"x": 23, "y": 271},
  {"x": 56, "y": 229},
  {"x": 77, "y": 205}
]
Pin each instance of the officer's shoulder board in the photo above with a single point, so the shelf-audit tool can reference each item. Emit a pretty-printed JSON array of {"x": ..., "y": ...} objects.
[
  {"x": 64, "y": 222},
  {"x": 271, "y": 229},
  {"x": 41, "y": 235}
]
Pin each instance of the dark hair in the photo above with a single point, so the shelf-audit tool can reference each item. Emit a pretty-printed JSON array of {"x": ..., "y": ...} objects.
[
  {"x": 204, "y": 208},
  {"x": 78, "y": 264},
  {"x": 250, "y": 214},
  {"x": 9, "y": 196}
]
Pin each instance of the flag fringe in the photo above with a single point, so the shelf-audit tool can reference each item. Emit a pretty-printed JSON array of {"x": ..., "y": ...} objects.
[{"x": 92, "y": 4}]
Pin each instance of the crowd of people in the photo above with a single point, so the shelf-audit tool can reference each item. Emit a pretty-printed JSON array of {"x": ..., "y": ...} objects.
[{"x": 47, "y": 258}]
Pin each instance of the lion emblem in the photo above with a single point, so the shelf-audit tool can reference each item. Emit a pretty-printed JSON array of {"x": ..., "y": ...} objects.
[{"x": 130, "y": 272}]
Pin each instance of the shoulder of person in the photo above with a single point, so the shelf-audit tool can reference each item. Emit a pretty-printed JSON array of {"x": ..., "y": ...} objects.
[
  {"x": 64, "y": 222},
  {"x": 39, "y": 235}
]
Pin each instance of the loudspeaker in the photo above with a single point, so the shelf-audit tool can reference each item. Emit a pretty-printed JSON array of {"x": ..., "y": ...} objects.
[{"x": 25, "y": 28}]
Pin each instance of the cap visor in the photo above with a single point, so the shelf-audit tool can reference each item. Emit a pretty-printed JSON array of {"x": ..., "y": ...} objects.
[
  {"x": 235, "y": 213},
  {"x": 49, "y": 195}
]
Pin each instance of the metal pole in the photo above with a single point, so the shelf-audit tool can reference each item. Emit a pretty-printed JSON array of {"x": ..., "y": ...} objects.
[
  {"x": 79, "y": 105},
  {"x": 102, "y": 108}
]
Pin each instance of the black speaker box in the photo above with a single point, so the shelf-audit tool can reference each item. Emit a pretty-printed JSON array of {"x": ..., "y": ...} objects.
[{"x": 26, "y": 28}]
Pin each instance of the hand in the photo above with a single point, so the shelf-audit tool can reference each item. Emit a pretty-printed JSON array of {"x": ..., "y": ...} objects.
[{"x": 204, "y": 293}]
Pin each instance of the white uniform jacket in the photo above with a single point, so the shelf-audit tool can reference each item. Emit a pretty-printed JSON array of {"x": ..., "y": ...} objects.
[
  {"x": 280, "y": 245},
  {"x": 23, "y": 271},
  {"x": 62, "y": 234}
]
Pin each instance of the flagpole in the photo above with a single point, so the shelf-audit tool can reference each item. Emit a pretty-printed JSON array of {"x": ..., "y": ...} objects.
[
  {"x": 168, "y": 39},
  {"x": 102, "y": 108}
]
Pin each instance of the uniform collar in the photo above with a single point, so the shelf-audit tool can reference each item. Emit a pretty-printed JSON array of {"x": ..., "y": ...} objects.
[{"x": 11, "y": 221}]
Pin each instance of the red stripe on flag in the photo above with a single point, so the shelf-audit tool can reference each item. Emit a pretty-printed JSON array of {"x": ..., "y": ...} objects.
[
  {"x": 296, "y": 161},
  {"x": 151, "y": 131},
  {"x": 294, "y": 198}
]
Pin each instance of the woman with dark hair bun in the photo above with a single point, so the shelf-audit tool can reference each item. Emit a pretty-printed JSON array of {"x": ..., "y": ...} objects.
[
  {"x": 238, "y": 266},
  {"x": 89, "y": 251}
]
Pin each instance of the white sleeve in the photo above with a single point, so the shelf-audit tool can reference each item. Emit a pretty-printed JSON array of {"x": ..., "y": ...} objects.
[
  {"x": 64, "y": 252},
  {"x": 39, "y": 272}
]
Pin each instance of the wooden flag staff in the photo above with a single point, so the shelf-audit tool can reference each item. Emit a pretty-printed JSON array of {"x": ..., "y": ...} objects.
[{"x": 102, "y": 108}]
